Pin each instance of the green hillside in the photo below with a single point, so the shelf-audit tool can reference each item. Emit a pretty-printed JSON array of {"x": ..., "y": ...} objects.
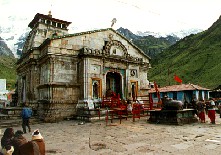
[
  {"x": 8, "y": 70},
  {"x": 151, "y": 45},
  {"x": 195, "y": 59}
]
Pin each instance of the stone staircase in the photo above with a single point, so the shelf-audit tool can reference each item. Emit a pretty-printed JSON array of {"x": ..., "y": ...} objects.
[
  {"x": 12, "y": 122},
  {"x": 10, "y": 117}
]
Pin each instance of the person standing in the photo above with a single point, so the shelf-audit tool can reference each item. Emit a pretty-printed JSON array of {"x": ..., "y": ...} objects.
[
  {"x": 201, "y": 111},
  {"x": 212, "y": 111},
  {"x": 194, "y": 104},
  {"x": 26, "y": 115},
  {"x": 34, "y": 147}
]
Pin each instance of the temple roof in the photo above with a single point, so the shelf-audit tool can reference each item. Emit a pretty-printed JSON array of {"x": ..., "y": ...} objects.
[
  {"x": 101, "y": 30},
  {"x": 42, "y": 16}
]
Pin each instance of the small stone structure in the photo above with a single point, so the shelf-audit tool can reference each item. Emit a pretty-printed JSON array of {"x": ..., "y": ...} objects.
[
  {"x": 172, "y": 112},
  {"x": 175, "y": 117}
]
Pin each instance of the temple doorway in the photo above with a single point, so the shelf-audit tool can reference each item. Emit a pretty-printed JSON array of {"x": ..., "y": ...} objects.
[{"x": 114, "y": 82}]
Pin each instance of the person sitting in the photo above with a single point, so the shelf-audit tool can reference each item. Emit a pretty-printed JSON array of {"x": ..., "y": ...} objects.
[
  {"x": 6, "y": 141},
  {"x": 18, "y": 140},
  {"x": 33, "y": 147},
  {"x": 7, "y": 137},
  {"x": 129, "y": 108}
]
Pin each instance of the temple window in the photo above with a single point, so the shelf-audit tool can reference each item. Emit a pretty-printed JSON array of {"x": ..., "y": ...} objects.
[
  {"x": 59, "y": 25},
  {"x": 48, "y": 22},
  {"x": 64, "y": 26},
  {"x": 54, "y": 23},
  {"x": 114, "y": 51},
  {"x": 42, "y": 20},
  {"x": 96, "y": 88}
]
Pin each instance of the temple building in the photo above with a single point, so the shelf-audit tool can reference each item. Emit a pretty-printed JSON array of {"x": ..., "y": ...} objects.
[{"x": 57, "y": 69}]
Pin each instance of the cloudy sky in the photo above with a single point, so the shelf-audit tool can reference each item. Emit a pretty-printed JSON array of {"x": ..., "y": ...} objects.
[{"x": 136, "y": 15}]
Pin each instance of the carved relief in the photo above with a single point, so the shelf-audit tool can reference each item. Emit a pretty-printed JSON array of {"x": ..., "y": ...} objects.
[
  {"x": 133, "y": 72},
  {"x": 117, "y": 44}
]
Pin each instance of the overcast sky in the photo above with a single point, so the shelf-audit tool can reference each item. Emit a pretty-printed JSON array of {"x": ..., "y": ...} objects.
[{"x": 136, "y": 15}]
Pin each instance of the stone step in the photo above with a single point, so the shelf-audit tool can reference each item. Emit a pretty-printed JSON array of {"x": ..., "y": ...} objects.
[{"x": 17, "y": 122}]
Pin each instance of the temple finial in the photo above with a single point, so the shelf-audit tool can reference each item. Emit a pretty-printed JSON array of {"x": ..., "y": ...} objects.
[{"x": 49, "y": 14}]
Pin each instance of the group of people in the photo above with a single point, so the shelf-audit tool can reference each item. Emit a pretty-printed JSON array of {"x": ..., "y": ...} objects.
[
  {"x": 203, "y": 108},
  {"x": 16, "y": 144}
]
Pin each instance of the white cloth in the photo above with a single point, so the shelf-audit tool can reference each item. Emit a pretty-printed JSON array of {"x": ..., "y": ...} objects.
[{"x": 129, "y": 107}]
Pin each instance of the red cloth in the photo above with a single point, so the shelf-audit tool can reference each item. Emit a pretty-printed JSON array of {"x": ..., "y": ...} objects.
[
  {"x": 212, "y": 115},
  {"x": 157, "y": 91},
  {"x": 202, "y": 116}
]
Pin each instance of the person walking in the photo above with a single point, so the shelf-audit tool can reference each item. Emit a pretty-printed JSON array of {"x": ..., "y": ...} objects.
[
  {"x": 26, "y": 115},
  {"x": 34, "y": 147},
  {"x": 18, "y": 140},
  {"x": 212, "y": 111},
  {"x": 201, "y": 111}
]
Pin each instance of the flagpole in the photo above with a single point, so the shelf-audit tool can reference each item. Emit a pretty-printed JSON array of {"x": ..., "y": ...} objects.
[{"x": 168, "y": 76}]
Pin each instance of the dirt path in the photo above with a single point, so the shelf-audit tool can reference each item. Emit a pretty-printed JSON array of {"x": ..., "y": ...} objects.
[{"x": 128, "y": 138}]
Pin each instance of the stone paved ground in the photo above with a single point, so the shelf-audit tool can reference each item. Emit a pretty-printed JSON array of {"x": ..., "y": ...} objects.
[{"x": 128, "y": 138}]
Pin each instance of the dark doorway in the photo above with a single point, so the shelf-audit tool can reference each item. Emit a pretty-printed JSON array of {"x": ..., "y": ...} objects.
[{"x": 113, "y": 82}]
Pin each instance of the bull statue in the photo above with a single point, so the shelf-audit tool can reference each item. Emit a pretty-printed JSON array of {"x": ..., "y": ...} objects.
[{"x": 170, "y": 104}]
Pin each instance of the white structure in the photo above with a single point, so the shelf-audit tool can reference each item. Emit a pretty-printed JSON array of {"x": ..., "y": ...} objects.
[{"x": 3, "y": 91}]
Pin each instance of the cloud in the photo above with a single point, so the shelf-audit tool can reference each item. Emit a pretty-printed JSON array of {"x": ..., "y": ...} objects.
[{"x": 142, "y": 15}]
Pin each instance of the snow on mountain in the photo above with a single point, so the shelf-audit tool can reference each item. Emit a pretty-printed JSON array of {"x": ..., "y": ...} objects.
[
  {"x": 14, "y": 29},
  {"x": 11, "y": 29},
  {"x": 180, "y": 34}
]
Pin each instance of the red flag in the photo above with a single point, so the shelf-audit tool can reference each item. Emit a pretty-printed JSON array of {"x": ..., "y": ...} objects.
[{"x": 177, "y": 79}]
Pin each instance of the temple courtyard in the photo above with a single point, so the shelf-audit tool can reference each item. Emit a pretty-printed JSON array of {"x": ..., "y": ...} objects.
[{"x": 73, "y": 137}]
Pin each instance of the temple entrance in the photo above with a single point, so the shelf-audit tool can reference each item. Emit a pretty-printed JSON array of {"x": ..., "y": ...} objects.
[{"x": 114, "y": 83}]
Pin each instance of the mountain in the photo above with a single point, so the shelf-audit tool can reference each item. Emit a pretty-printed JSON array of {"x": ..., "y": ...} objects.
[
  {"x": 7, "y": 65},
  {"x": 16, "y": 28},
  {"x": 195, "y": 59},
  {"x": 4, "y": 50},
  {"x": 151, "y": 45},
  {"x": 20, "y": 43},
  {"x": 12, "y": 28}
]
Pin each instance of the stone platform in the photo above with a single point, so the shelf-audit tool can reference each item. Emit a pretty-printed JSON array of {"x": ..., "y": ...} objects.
[{"x": 176, "y": 117}]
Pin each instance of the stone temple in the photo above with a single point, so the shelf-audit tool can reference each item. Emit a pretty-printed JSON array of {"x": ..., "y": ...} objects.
[{"x": 58, "y": 70}]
